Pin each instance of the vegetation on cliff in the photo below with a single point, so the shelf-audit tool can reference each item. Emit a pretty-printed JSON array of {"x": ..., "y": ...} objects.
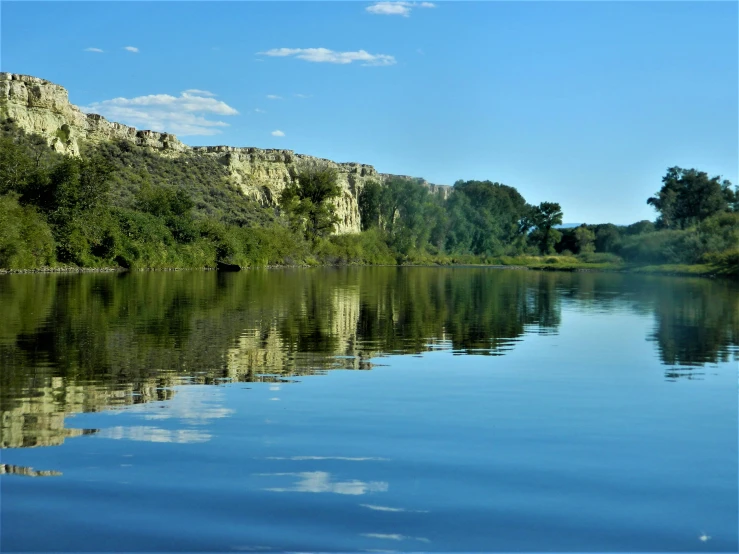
[{"x": 121, "y": 205}]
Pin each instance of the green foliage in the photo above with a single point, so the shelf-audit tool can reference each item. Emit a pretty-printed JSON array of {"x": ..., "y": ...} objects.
[
  {"x": 600, "y": 258},
  {"x": 121, "y": 205},
  {"x": 487, "y": 218},
  {"x": 307, "y": 202},
  {"x": 370, "y": 200},
  {"x": 203, "y": 178},
  {"x": 705, "y": 242},
  {"x": 174, "y": 206},
  {"x": 367, "y": 247},
  {"x": 545, "y": 216},
  {"x": 688, "y": 196},
  {"x": 25, "y": 238},
  {"x": 585, "y": 240},
  {"x": 607, "y": 238}
]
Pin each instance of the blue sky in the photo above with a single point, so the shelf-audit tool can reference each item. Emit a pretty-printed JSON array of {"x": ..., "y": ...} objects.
[{"x": 583, "y": 103}]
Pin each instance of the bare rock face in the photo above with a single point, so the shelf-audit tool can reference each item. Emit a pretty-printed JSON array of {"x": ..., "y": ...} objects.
[
  {"x": 41, "y": 107},
  {"x": 263, "y": 174}
]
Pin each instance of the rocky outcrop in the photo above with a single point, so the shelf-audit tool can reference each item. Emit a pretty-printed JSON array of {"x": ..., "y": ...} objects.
[
  {"x": 41, "y": 107},
  {"x": 263, "y": 174}
]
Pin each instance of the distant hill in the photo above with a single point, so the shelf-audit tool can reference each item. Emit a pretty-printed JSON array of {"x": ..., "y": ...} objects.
[{"x": 568, "y": 225}]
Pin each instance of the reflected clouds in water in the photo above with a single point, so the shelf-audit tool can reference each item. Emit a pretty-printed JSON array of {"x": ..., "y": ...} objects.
[
  {"x": 194, "y": 405},
  {"x": 394, "y": 537},
  {"x": 389, "y": 509},
  {"x": 342, "y": 458},
  {"x": 154, "y": 434},
  {"x": 320, "y": 481}
]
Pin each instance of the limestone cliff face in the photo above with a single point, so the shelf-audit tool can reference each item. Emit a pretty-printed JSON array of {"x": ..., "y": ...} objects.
[
  {"x": 39, "y": 106},
  {"x": 263, "y": 174}
]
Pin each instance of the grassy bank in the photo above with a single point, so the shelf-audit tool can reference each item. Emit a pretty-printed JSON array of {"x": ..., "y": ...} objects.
[{"x": 533, "y": 263}]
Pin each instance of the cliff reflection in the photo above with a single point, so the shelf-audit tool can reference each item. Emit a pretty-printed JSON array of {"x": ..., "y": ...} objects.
[
  {"x": 80, "y": 343},
  {"x": 11, "y": 469}
]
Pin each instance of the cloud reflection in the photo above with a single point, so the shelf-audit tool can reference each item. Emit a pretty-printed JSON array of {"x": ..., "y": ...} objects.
[
  {"x": 192, "y": 404},
  {"x": 342, "y": 458},
  {"x": 154, "y": 434},
  {"x": 320, "y": 481},
  {"x": 389, "y": 509},
  {"x": 394, "y": 537}
]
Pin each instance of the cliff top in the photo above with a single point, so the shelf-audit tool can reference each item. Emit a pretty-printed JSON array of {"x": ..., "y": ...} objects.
[{"x": 24, "y": 92}]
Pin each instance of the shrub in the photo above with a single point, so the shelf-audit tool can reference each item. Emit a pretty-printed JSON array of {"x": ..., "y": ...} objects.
[{"x": 26, "y": 240}]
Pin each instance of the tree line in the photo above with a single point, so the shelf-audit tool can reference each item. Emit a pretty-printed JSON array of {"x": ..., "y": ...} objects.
[{"x": 121, "y": 205}]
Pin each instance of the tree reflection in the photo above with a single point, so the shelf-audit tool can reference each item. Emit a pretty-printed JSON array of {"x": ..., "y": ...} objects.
[{"x": 84, "y": 342}]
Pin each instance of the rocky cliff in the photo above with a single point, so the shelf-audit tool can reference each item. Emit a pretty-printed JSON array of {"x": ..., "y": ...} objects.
[{"x": 39, "y": 106}]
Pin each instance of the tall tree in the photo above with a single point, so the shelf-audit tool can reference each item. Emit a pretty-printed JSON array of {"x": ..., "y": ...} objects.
[
  {"x": 545, "y": 216},
  {"x": 689, "y": 196},
  {"x": 370, "y": 198},
  {"x": 585, "y": 239},
  {"x": 307, "y": 201}
]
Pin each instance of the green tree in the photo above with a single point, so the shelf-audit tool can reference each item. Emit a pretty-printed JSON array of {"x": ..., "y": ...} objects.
[
  {"x": 545, "y": 216},
  {"x": 689, "y": 196},
  {"x": 585, "y": 239},
  {"x": 405, "y": 209},
  {"x": 307, "y": 201},
  {"x": 607, "y": 238},
  {"x": 75, "y": 198},
  {"x": 174, "y": 206},
  {"x": 370, "y": 199},
  {"x": 16, "y": 166}
]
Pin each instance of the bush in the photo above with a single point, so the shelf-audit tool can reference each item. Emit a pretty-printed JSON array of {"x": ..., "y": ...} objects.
[
  {"x": 26, "y": 240},
  {"x": 600, "y": 258},
  {"x": 727, "y": 262},
  {"x": 660, "y": 247}
]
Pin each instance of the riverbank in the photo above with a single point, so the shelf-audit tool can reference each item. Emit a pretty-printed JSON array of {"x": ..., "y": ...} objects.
[{"x": 528, "y": 263}]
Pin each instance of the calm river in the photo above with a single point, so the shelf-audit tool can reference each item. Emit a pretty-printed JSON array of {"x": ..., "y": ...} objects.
[{"x": 371, "y": 409}]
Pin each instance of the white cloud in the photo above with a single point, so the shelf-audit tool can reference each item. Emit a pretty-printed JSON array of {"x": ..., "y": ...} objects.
[
  {"x": 131, "y": 49},
  {"x": 259, "y": 110},
  {"x": 390, "y": 8},
  {"x": 198, "y": 92},
  {"x": 277, "y": 133},
  {"x": 298, "y": 95},
  {"x": 324, "y": 55},
  {"x": 97, "y": 50},
  {"x": 397, "y": 8},
  {"x": 274, "y": 97},
  {"x": 182, "y": 115}
]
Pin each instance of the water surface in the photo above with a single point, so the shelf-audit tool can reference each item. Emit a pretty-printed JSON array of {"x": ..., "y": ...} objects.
[{"x": 408, "y": 409}]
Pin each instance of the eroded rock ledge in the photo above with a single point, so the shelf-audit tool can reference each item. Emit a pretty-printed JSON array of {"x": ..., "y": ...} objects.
[{"x": 40, "y": 106}]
